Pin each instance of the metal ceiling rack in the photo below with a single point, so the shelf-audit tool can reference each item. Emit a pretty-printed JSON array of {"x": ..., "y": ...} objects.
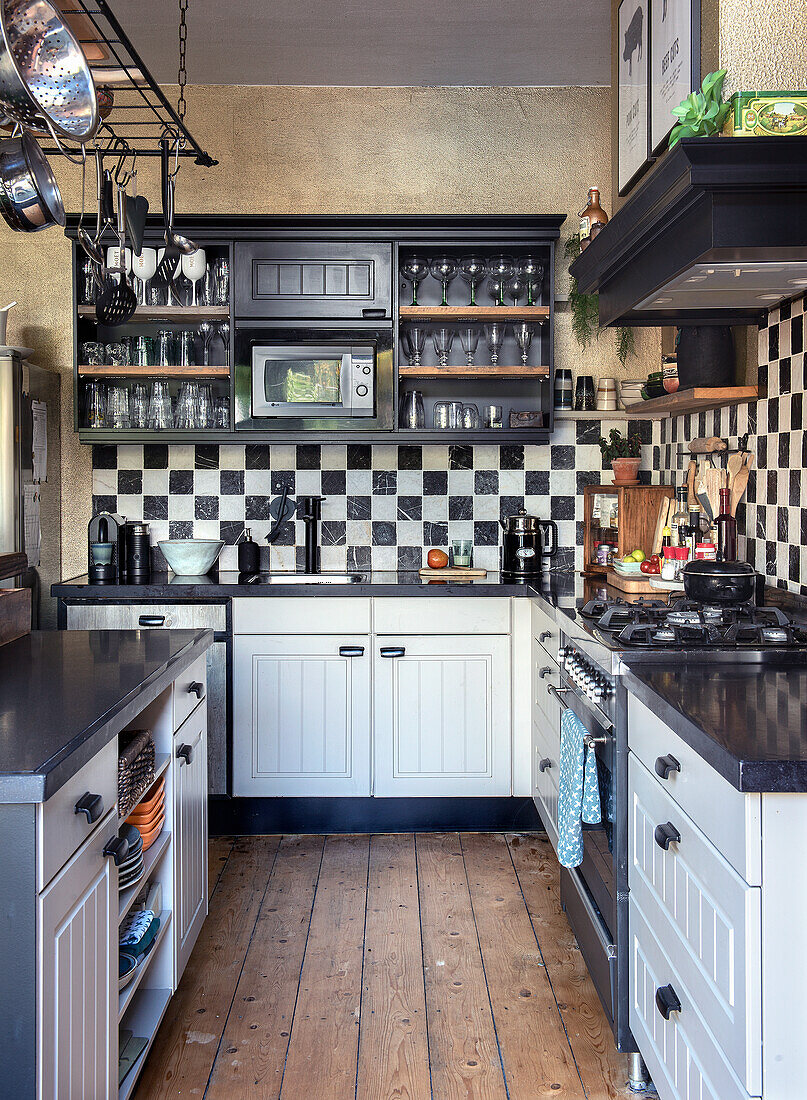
[{"x": 141, "y": 114}]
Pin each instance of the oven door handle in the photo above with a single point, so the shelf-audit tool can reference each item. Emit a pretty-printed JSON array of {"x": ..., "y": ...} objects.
[
  {"x": 346, "y": 381},
  {"x": 589, "y": 740}
]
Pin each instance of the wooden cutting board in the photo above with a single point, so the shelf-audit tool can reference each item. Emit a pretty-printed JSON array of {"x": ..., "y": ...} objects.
[
  {"x": 637, "y": 585},
  {"x": 454, "y": 573}
]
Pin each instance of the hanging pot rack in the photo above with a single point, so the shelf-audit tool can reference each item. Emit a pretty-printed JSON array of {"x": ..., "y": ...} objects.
[{"x": 141, "y": 113}]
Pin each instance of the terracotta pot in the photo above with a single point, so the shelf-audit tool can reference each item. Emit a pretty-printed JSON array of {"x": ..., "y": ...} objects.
[{"x": 626, "y": 470}]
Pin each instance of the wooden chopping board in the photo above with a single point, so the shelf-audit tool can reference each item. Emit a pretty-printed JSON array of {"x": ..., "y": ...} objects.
[
  {"x": 637, "y": 585},
  {"x": 454, "y": 573}
]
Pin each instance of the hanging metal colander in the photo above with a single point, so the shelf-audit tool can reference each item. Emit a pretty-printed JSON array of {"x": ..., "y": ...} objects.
[{"x": 45, "y": 81}]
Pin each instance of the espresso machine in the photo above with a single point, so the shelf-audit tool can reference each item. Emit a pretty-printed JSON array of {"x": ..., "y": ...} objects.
[
  {"x": 525, "y": 545},
  {"x": 106, "y": 548}
]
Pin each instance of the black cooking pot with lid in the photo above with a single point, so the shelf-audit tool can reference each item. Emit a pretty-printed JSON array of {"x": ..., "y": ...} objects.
[{"x": 719, "y": 582}]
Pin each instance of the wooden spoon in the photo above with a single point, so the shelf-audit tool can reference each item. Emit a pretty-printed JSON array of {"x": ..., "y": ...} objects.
[
  {"x": 691, "y": 497},
  {"x": 740, "y": 482}
]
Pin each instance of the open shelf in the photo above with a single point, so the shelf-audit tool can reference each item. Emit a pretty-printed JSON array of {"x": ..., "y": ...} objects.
[
  {"x": 168, "y": 313},
  {"x": 161, "y": 762},
  {"x": 698, "y": 399},
  {"x": 474, "y": 313},
  {"x": 161, "y": 371},
  {"x": 150, "y": 861},
  {"x": 520, "y": 372},
  {"x": 127, "y": 993},
  {"x": 143, "y": 1017},
  {"x": 619, "y": 414}
]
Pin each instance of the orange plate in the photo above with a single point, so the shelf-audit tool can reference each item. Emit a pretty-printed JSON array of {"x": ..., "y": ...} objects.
[
  {"x": 152, "y": 798},
  {"x": 151, "y": 835},
  {"x": 145, "y": 821}
]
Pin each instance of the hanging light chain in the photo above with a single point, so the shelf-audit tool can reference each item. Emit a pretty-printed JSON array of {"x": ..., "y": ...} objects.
[{"x": 182, "y": 77}]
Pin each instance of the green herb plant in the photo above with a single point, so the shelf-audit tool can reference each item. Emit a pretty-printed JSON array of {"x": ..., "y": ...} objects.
[
  {"x": 586, "y": 312},
  {"x": 617, "y": 445},
  {"x": 702, "y": 113}
]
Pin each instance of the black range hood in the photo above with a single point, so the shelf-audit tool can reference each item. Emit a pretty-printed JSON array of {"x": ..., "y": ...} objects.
[{"x": 716, "y": 234}]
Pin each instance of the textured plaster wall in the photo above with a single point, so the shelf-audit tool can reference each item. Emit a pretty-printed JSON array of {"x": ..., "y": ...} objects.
[
  {"x": 762, "y": 43},
  {"x": 331, "y": 150}
]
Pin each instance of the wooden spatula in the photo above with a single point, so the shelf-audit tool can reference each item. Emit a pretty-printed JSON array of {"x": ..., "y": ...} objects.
[
  {"x": 693, "y": 467},
  {"x": 740, "y": 482}
]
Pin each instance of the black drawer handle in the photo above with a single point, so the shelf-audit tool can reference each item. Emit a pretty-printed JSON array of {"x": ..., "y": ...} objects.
[
  {"x": 118, "y": 848},
  {"x": 392, "y": 651},
  {"x": 544, "y": 672},
  {"x": 196, "y": 689},
  {"x": 90, "y": 804},
  {"x": 151, "y": 620},
  {"x": 374, "y": 314},
  {"x": 665, "y": 765},
  {"x": 545, "y": 764},
  {"x": 542, "y": 637},
  {"x": 665, "y": 834},
  {"x": 351, "y": 650},
  {"x": 185, "y": 752},
  {"x": 667, "y": 1001}
]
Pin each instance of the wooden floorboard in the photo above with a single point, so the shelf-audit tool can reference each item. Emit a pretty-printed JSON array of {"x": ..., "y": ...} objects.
[
  {"x": 323, "y": 1049},
  {"x": 186, "y": 1045},
  {"x": 256, "y": 1037},
  {"x": 393, "y": 1044},
  {"x": 462, "y": 1042},
  {"x": 532, "y": 1040},
  {"x": 218, "y": 851},
  {"x": 603, "y": 1070}
]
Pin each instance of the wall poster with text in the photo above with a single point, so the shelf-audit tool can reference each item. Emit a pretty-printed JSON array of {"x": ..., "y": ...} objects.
[
  {"x": 674, "y": 61},
  {"x": 633, "y": 90}
]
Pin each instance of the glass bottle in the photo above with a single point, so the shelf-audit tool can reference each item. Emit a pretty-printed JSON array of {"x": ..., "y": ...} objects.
[
  {"x": 726, "y": 530},
  {"x": 680, "y": 518},
  {"x": 693, "y": 534},
  {"x": 591, "y": 214}
]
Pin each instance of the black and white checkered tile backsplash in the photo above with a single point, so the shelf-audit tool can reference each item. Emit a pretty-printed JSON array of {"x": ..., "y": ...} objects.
[
  {"x": 384, "y": 505},
  {"x": 773, "y": 518}
]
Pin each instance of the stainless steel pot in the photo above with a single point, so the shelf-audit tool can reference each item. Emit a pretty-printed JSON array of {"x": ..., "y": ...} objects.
[
  {"x": 29, "y": 195},
  {"x": 719, "y": 582},
  {"x": 45, "y": 81}
]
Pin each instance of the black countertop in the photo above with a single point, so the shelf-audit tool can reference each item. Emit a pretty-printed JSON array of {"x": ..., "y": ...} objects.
[
  {"x": 749, "y": 721},
  {"x": 66, "y": 694}
]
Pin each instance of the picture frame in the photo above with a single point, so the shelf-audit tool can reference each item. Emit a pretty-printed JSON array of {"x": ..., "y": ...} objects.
[
  {"x": 633, "y": 144},
  {"x": 674, "y": 58}
]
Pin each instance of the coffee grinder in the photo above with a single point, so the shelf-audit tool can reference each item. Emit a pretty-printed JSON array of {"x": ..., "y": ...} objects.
[{"x": 106, "y": 548}]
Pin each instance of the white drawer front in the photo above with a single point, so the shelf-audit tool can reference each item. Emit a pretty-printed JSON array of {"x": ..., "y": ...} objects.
[
  {"x": 441, "y": 615},
  {"x": 190, "y": 689},
  {"x": 683, "y": 1058},
  {"x": 62, "y": 830},
  {"x": 731, "y": 820},
  {"x": 545, "y": 786},
  {"x": 301, "y": 615},
  {"x": 707, "y": 919},
  {"x": 145, "y": 616},
  {"x": 545, "y": 671},
  {"x": 545, "y": 630}
]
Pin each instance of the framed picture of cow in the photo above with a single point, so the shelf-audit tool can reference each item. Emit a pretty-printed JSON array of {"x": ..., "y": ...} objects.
[
  {"x": 674, "y": 61},
  {"x": 632, "y": 99}
]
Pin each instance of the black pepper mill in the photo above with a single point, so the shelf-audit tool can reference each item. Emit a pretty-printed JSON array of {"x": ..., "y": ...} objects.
[{"x": 248, "y": 554}]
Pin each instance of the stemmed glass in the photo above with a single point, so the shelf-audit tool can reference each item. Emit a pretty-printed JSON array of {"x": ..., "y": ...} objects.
[
  {"x": 524, "y": 333},
  {"x": 533, "y": 274},
  {"x": 206, "y": 333},
  {"x": 143, "y": 268},
  {"x": 469, "y": 338},
  {"x": 415, "y": 270},
  {"x": 495, "y": 335},
  {"x": 194, "y": 267},
  {"x": 472, "y": 271},
  {"x": 443, "y": 338},
  {"x": 414, "y": 343},
  {"x": 501, "y": 268},
  {"x": 224, "y": 332},
  {"x": 444, "y": 270}
]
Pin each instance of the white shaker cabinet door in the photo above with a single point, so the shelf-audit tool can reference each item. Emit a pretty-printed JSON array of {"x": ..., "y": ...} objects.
[
  {"x": 78, "y": 966},
  {"x": 301, "y": 715},
  {"x": 190, "y": 835},
  {"x": 442, "y": 715}
]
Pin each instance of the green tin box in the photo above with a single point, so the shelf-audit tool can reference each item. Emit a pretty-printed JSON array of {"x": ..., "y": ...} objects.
[{"x": 767, "y": 114}]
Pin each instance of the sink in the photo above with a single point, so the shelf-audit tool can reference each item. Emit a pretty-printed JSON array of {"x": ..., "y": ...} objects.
[{"x": 307, "y": 578}]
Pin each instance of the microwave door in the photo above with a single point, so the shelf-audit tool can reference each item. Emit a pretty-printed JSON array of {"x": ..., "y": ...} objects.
[{"x": 345, "y": 388}]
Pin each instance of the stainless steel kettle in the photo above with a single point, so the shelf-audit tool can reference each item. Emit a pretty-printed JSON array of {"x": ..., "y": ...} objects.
[{"x": 526, "y": 542}]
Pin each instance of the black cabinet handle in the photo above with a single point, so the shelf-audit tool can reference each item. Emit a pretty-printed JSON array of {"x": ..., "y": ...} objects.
[
  {"x": 665, "y": 765},
  {"x": 392, "y": 651},
  {"x": 667, "y": 1001},
  {"x": 118, "y": 848},
  {"x": 151, "y": 620},
  {"x": 374, "y": 314},
  {"x": 185, "y": 752},
  {"x": 665, "y": 834},
  {"x": 90, "y": 804},
  {"x": 544, "y": 672},
  {"x": 545, "y": 764},
  {"x": 351, "y": 650},
  {"x": 542, "y": 637},
  {"x": 196, "y": 689}
]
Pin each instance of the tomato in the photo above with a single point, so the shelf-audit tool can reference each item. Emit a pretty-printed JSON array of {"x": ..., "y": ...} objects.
[
  {"x": 437, "y": 559},
  {"x": 651, "y": 567},
  {"x": 656, "y": 560}
]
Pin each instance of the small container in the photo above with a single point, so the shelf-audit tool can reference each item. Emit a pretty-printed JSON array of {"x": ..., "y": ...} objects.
[
  {"x": 493, "y": 416},
  {"x": 248, "y": 554},
  {"x": 470, "y": 417},
  {"x": 669, "y": 373},
  {"x": 119, "y": 353},
  {"x": 604, "y": 554},
  {"x": 93, "y": 353},
  {"x": 706, "y": 551},
  {"x": 563, "y": 388},
  {"x": 442, "y": 415},
  {"x": 461, "y": 552}
]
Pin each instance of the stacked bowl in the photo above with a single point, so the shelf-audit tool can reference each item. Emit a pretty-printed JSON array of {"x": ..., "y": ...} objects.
[
  {"x": 148, "y": 816},
  {"x": 630, "y": 391}
]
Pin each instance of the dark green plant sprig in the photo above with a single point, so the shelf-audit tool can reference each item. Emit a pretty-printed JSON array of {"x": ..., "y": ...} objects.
[
  {"x": 618, "y": 445},
  {"x": 585, "y": 309}
]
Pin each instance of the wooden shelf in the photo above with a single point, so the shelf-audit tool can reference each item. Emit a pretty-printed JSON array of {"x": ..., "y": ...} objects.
[
  {"x": 127, "y": 993},
  {"x": 695, "y": 400},
  {"x": 474, "y": 313},
  {"x": 143, "y": 1017},
  {"x": 542, "y": 373},
  {"x": 150, "y": 860},
  {"x": 168, "y": 313},
  {"x": 160, "y": 371}
]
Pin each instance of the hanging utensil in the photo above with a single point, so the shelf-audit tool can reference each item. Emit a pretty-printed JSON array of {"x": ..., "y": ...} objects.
[
  {"x": 117, "y": 301},
  {"x": 693, "y": 466},
  {"x": 45, "y": 81},
  {"x": 29, "y": 195},
  {"x": 84, "y": 238},
  {"x": 740, "y": 482},
  {"x": 136, "y": 209},
  {"x": 164, "y": 275}
]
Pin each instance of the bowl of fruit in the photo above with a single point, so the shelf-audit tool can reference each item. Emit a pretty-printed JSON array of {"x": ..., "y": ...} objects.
[{"x": 630, "y": 565}]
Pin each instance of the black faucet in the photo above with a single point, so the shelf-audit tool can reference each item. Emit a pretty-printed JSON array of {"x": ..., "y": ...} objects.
[{"x": 310, "y": 514}]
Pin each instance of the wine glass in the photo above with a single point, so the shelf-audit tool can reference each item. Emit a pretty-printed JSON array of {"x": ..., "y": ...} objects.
[
  {"x": 472, "y": 271},
  {"x": 496, "y": 287},
  {"x": 443, "y": 338},
  {"x": 524, "y": 333},
  {"x": 516, "y": 287},
  {"x": 533, "y": 273},
  {"x": 205, "y": 332},
  {"x": 469, "y": 338},
  {"x": 415, "y": 270},
  {"x": 501, "y": 267},
  {"x": 143, "y": 269},
  {"x": 224, "y": 332},
  {"x": 495, "y": 334},
  {"x": 444, "y": 270},
  {"x": 194, "y": 267},
  {"x": 414, "y": 343}
]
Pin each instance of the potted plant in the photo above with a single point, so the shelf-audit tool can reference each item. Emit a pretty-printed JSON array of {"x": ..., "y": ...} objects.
[
  {"x": 702, "y": 113},
  {"x": 623, "y": 453}
]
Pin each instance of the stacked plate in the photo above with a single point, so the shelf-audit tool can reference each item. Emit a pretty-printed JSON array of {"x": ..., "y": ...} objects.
[
  {"x": 132, "y": 867},
  {"x": 148, "y": 816}
]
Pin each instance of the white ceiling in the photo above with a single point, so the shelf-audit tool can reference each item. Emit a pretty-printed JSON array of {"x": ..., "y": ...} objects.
[{"x": 376, "y": 42}]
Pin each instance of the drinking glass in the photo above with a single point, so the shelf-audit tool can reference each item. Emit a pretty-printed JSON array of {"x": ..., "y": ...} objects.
[
  {"x": 493, "y": 416},
  {"x": 584, "y": 393},
  {"x": 205, "y": 406},
  {"x": 187, "y": 410},
  {"x": 164, "y": 349},
  {"x": 500, "y": 268},
  {"x": 412, "y": 415},
  {"x": 470, "y": 417},
  {"x": 93, "y": 353},
  {"x": 414, "y": 343},
  {"x": 461, "y": 551},
  {"x": 194, "y": 267},
  {"x": 444, "y": 270},
  {"x": 469, "y": 338},
  {"x": 221, "y": 413},
  {"x": 415, "y": 270},
  {"x": 516, "y": 287},
  {"x": 204, "y": 334},
  {"x": 95, "y": 405},
  {"x": 186, "y": 357},
  {"x": 88, "y": 284},
  {"x": 443, "y": 338},
  {"x": 117, "y": 410},
  {"x": 524, "y": 333},
  {"x": 143, "y": 269},
  {"x": 143, "y": 351},
  {"x": 533, "y": 273},
  {"x": 119, "y": 354},
  {"x": 139, "y": 406},
  {"x": 160, "y": 415},
  {"x": 495, "y": 334},
  {"x": 444, "y": 414},
  {"x": 472, "y": 271},
  {"x": 221, "y": 282},
  {"x": 496, "y": 289},
  {"x": 224, "y": 332}
]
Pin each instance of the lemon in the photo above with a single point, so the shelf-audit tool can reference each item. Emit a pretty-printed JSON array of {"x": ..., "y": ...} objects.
[{"x": 638, "y": 555}]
